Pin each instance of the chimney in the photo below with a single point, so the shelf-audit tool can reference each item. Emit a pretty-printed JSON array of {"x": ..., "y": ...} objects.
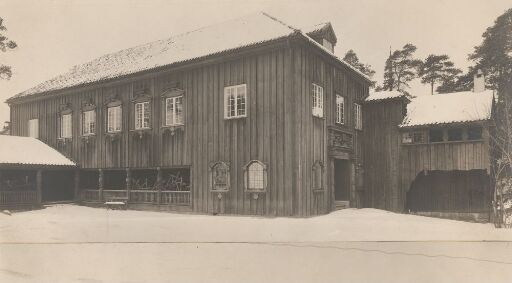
[{"x": 478, "y": 81}]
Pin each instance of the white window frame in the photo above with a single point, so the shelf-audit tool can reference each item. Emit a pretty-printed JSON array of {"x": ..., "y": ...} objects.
[
  {"x": 318, "y": 101},
  {"x": 33, "y": 128},
  {"x": 173, "y": 117},
  {"x": 358, "y": 117},
  {"x": 66, "y": 126},
  {"x": 114, "y": 119},
  {"x": 142, "y": 115},
  {"x": 232, "y": 102},
  {"x": 340, "y": 109},
  {"x": 89, "y": 122}
]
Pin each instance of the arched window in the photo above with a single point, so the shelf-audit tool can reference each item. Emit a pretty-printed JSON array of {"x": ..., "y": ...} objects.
[
  {"x": 317, "y": 178},
  {"x": 219, "y": 177},
  {"x": 255, "y": 176}
]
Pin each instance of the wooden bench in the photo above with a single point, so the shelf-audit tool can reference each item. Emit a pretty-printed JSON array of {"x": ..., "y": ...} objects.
[{"x": 116, "y": 203}]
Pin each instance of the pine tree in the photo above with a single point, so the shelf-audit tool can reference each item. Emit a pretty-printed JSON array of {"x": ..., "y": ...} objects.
[
  {"x": 494, "y": 57},
  {"x": 457, "y": 83},
  {"x": 400, "y": 69},
  {"x": 5, "y": 45},
  {"x": 437, "y": 69},
  {"x": 353, "y": 60}
]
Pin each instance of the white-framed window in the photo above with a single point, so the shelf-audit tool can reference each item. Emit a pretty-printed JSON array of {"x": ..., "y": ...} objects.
[
  {"x": 33, "y": 128},
  {"x": 88, "y": 122},
  {"x": 174, "y": 111},
  {"x": 340, "y": 109},
  {"x": 142, "y": 115},
  {"x": 235, "y": 98},
  {"x": 66, "y": 126},
  {"x": 114, "y": 119},
  {"x": 255, "y": 176},
  {"x": 358, "y": 117},
  {"x": 318, "y": 101}
]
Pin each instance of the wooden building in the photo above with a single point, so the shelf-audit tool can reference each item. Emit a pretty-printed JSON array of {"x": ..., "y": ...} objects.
[
  {"x": 250, "y": 116},
  {"x": 429, "y": 154}
]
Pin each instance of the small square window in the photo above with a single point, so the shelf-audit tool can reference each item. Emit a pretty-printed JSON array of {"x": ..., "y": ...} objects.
[
  {"x": 455, "y": 134},
  {"x": 418, "y": 137},
  {"x": 406, "y": 138},
  {"x": 474, "y": 133},
  {"x": 435, "y": 135}
]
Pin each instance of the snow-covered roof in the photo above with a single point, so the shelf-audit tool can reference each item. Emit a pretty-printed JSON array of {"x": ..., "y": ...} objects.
[
  {"x": 447, "y": 108},
  {"x": 384, "y": 95},
  {"x": 16, "y": 150},
  {"x": 226, "y": 36}
]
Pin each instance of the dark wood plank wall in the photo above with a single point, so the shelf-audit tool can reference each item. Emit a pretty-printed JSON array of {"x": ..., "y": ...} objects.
[
  {"x": 313, "y": 141},
  {"x": 382, "y": 142},
  {"x": 415, "y": 159},
  {"x": 279, "y": 130}
]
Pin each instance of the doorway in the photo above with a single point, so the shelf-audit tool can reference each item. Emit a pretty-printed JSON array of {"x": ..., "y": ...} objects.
[{"x": 341, "y": 180}]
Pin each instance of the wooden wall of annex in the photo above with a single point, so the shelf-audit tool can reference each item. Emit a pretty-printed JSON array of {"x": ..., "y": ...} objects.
[
  {"x": 279, "y": 129},
  {"x": 446, "y": 156},
  {"x": 382, "y": 145}
]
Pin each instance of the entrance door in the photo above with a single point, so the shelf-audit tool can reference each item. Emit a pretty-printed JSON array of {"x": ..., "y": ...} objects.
[{"x": 341, "y": 179}]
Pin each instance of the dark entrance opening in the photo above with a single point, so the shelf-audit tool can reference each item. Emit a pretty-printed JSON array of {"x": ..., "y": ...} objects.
[
  {"x": 58, "y": 185},
  {"x": 450, "y": 191},
  {"x": 341, "y": 179}
]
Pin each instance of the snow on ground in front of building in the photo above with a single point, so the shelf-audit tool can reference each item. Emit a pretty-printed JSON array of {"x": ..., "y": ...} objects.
[
  {"x": 69, "y": 243},
  {"x": 72, "y": 223}
]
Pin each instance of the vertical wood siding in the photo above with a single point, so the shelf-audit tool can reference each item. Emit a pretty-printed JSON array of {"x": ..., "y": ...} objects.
[{"x": 279, "y": 129}]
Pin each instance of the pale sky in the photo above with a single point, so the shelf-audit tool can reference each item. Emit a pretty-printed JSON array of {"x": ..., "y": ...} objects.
[{"x": 54, "y": 35}]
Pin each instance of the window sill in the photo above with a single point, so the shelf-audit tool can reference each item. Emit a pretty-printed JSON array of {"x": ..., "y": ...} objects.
[
  {"x": 172, "y": 128},
  {"x": 235, "y": 118},
  {"x": 141, "y": 132},
  {"x": 318, "y": 190},
  {"x": 65, "y": 140},
  {"x": 318, "y": 117},
  {"x": 255, "y": 193}
]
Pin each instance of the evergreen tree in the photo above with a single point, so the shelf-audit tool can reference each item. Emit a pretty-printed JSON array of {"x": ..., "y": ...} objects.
[
  {"x": 400, "y": 69},
  {"x": 494, "y": 57},
  {"x": 353, "y": 60},
  {"x": 437, "y": 69},
  {"x": 5, "y": 45},
  {"x": 457, "y": 83}
]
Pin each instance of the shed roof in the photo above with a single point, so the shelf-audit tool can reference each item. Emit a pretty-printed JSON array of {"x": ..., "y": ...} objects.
[
  {"x": 384, "y": 95},
  {"x": 16, "y": 150},
  {"x": 226, "y": 36},
  {"x": 448, "y": 108}
]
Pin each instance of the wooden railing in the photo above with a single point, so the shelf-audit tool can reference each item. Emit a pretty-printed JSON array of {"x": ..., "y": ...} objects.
[
  {"x": 90, "y": 195},
  {"x": 17, "y": 197},
  {"x": 176, "y": 197},
  {"x": 140, "y": 196},
  {"x": 112, "y": 194}
]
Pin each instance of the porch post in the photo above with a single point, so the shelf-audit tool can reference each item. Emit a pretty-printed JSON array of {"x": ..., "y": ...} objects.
[
  {"x": 128, "y": 183},
  {"x": 77, "y": 185},
  {"x": 159, "y": 185},
  {"x": 1, "y": 181},
  {"x": 39, "y": 186},
  {"x": 100, "y": 184}
]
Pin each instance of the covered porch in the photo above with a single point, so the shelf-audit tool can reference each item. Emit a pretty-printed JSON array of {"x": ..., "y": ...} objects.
[
  {"x": 32, "y": 173},
  {"x": 158, "y": 188}
]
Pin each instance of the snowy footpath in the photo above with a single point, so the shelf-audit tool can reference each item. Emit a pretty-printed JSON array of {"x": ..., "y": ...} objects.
[{"x": 69, "y": 243}]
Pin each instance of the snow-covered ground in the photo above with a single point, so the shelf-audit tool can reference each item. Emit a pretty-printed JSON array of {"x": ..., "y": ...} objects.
[{"x": 68, "y": 243}]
